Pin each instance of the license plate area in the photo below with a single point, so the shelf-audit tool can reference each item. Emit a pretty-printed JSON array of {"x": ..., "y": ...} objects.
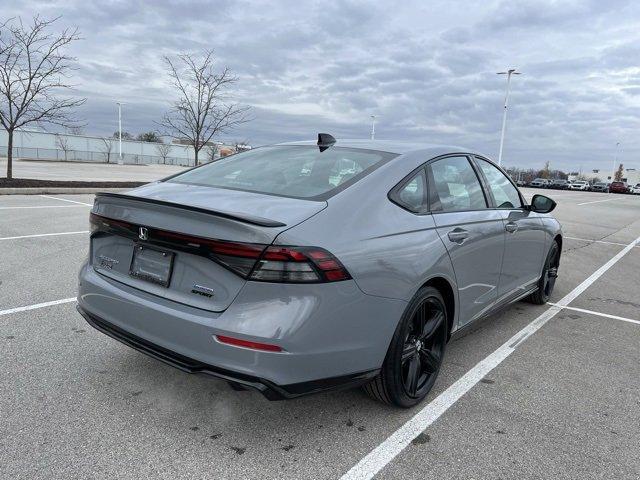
[{"x": 151, "y": 265}]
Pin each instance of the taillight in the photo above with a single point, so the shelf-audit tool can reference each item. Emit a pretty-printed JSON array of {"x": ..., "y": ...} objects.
[
  {"x": 98, "y": 222},
  {"x": 252, "y": 261},
  {"x": 298, "y": 265},
  {"x": 239, "y": 257}
]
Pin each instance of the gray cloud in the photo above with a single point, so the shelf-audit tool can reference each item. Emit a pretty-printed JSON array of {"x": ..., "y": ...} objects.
[{"x": 426, "y": 69}]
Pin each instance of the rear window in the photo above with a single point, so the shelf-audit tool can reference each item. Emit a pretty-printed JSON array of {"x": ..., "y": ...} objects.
[{"x": 290, "y": 171}]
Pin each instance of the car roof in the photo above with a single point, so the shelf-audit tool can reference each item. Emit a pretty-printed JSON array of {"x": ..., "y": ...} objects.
[{"x": 393, "y": 146}]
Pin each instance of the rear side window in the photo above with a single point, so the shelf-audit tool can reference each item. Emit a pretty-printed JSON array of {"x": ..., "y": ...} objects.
[
  {"x": 504, "y": 193},
  {"x": 454, "y": 186},
  {"x": 412, "y": 193},
  {"x": 289, "y": 170}
]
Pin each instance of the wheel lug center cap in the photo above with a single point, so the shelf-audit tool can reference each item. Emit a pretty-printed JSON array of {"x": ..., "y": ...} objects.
[{"x": 418, "y": 345}]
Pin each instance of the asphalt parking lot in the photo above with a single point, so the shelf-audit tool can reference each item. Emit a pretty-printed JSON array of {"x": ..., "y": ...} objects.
[
  {"x": 90, "y": 172},
  {"x": 533, "y": 392}
]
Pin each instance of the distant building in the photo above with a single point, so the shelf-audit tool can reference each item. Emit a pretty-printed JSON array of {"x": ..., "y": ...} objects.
[{"x": 30, "y": 144}]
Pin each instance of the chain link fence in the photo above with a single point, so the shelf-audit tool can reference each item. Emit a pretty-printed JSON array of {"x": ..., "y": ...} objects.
[{"x": 53, "y": 154}]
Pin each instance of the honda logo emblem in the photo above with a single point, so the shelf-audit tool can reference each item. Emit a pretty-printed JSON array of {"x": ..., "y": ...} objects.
[{"x": 143, "y": 233}]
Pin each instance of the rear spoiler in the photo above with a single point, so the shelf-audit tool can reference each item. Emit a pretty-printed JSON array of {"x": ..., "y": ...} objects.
[{"x": 238, "y": 217}]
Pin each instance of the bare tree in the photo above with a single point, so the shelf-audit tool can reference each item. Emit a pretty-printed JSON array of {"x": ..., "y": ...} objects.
[
  {"x": 151, "y": 137},
  {"x": 545, "y": 172},
  {"x": 76, "y": 130},
  {"x": 61, "y": 144},
  {"x": 163, "y": 150},
  {"x": 212, "y": 150},
  {"x": 619, "y": 173},
  {"x": 33, "y": 72},
  {"x": 107, "y": 148},
  {"x": 125, "y": 135},
  {"x": 201, "y": 110}
]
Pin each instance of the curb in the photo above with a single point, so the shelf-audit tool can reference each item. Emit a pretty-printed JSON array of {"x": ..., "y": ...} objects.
[{"x": 59, "y": 190}]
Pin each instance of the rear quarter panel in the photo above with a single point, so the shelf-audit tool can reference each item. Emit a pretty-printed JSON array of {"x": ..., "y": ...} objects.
[
  {"x": 389, "y": 251},
  {"x": 552, "y": 229}
]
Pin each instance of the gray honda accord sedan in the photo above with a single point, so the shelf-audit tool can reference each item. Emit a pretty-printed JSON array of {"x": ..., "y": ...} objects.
[{"x": 308, "y": 266}]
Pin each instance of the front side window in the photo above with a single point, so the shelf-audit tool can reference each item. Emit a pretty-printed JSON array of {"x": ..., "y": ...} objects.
[
  {"x": 454, "y": 186},
  {"x": 297, "y": 171},
  {"x": 504, "y": 193}
]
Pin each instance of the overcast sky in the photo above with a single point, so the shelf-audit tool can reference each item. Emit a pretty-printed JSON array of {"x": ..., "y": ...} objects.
[{"x": 426, "y": 68}]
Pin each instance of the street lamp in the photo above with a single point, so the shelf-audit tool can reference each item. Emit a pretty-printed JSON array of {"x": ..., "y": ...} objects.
[
  {"x": 373, "y": 127},
  {"x": 120, "y": 133},
  {"x": 615, "y": 160},
  {"x": 508, "y": 73}
]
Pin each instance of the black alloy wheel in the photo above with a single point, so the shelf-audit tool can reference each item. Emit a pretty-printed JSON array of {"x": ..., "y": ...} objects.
[
  {"x": 414, "y": 357},
  {"x": 549, "y": 275},
  {"x": 423, "y": 347}
]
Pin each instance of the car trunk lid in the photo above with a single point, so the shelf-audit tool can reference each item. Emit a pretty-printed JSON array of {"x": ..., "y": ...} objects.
[{"x": 184, "y": 234}]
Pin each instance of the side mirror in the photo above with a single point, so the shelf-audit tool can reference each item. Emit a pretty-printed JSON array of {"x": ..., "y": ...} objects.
[{"x": 542, "y": 204}]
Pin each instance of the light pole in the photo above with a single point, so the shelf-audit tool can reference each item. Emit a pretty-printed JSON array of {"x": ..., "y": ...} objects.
[
  {"x": 508, "y": 73},
  {"x": 120, "y": 133},
  {"x": 373, "y": 127},
  {"x": 615, "y": 160}
]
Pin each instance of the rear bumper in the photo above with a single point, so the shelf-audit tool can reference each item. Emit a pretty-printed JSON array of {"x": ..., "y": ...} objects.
[
  {"x": 332, "y": 335},
  {"x": 269, "y": 389}
]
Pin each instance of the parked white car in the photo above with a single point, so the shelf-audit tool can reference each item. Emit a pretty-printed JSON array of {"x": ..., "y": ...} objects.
[
  {"x": 636, "y": 189},
  {"x": 540, "y": 183},
  {"x": 579, "y": 185}
]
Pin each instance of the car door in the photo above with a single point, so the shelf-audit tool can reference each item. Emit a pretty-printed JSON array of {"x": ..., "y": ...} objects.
[
  {"x": 472, "y": 233},
  {"x": 524, "y": 250}
]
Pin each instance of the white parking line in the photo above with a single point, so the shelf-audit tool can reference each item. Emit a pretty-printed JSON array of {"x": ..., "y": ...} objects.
[
  {"x": 595, "y": 241},
  {"x": 67, "y": 200},
  {"x": 36, "y": 306},
  {"x": 600, "y": 314},
  {"x": 599, "y": 201},
  {"x": 40, "y": 206},
  {"x": 44, "y": 235},
  {"x": 384, "y": 453}
]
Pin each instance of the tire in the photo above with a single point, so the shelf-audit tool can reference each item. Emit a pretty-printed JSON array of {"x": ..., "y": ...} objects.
[
  {"x": 548, "y": 278},
  {"x": 415, "y": 354}
]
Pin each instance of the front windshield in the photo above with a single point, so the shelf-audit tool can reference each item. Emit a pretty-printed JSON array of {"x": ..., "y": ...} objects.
[{"x": 291, "y": 170}]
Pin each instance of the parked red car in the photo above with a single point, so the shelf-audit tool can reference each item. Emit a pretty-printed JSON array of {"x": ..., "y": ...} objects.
[{"x": 618, "y": 187}]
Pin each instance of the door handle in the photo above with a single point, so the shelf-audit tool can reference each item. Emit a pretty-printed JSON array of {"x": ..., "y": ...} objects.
[
  {"x": 511, "y": 227},
  {"x": 458, "y": 235}
]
